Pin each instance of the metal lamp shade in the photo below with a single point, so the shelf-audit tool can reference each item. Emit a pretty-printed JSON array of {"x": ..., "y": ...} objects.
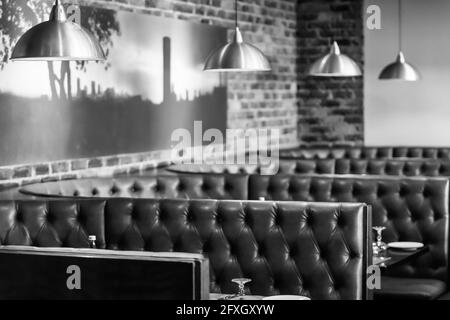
[
  {"x": 400, "y": 70},
  {"x": 335, "y": 64},
  {"x": 57, "y": 40},
  {"x": 237, "y": 55}
]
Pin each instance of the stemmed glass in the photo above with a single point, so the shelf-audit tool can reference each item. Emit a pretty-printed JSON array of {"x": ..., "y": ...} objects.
[
  {"x": 379, "y": 246},
  {"x": 241, "y": 294},
  {"x": 241, "y": 282}
]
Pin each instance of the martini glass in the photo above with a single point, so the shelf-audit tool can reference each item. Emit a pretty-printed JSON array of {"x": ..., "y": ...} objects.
[
  {"x": 379, "y": 245},
  {"x": 241, "y": 282}
]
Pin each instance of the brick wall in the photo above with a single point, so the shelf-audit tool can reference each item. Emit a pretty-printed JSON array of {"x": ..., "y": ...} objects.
[
  {"x": 330, "y": 109},
  {"x": 255, "y": 100}
]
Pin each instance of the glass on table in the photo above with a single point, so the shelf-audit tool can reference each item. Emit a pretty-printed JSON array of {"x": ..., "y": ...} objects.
[
  {"x": 379, "y": 246},
  {"x": 241, "y": 282}
]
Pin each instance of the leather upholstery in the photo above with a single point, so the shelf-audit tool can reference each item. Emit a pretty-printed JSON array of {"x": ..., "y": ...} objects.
[
  {"x": 366, "y": 152},
  {"x": 315, "y": 249},
  {"x": 412, "y": 209},
  {"x": 218, "y": 169},
  {"x": 391, "y": 167},
  {"x": 285, "y": 166},
  {"x": 208, "y": 186},
  {"x": 394, "y": 167},
  {"x": 410, "y": 289},
  {"x": 52, "y": 224},
  {"x": 291, "y": 248}
]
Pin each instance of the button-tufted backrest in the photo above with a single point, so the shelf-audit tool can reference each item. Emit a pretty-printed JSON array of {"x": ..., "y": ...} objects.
[
  {"x": 52, "y": 224},
  {"x": 218, "y": 169},
  {"x": 366, "y": 152},
  {"x": 412, "y": 209},
  {"x": 207, "y": 186},
  {"x": 314, "y": 249},
  {"x": 390, "y": 167},
  {"x": 304, "y": 166}
]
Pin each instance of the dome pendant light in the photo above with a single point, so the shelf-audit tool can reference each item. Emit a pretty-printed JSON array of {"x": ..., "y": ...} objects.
[
  {"x": 237, "y": 55},
  {"x": 335, "y": 64},
  {"x": 400, "y": 69},
  {"x": 58, "y": 40}
]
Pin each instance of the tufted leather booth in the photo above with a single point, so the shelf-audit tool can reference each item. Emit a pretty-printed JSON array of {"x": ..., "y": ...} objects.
[
  {"x": 391, "y": 167},
  {"x": 366, "y": 152},
  {"x": 314, "y": 249},
  {"x": 414, "y": 209},
  {"x": 52, "y": 224},
  {"x": 411, "y": 209},
  {"x": 284, "y": 166},
  {"x": 208, "y": 186},
  {"x": 216, "y": 169},
  {"x": 394, "y": 167}
]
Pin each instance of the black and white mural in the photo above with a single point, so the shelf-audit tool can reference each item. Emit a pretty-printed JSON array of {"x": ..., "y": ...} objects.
[{"x": 151, "y": 84}]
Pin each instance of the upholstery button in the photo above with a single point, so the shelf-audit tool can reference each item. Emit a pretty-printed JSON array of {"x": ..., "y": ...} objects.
[
  {"x": 19, "y": 217},
  {"x": 423, "y": 168},
  {"x": 380, "y": 192},
  {"x": 228, "y": 187},
  {"x": 277, "y": 220},
  {"x": 114, "y": 190},
  {"x": 95, "y": 192},
  {"x": 136, "y": 187},
  {"x": 403, "y": 192}
]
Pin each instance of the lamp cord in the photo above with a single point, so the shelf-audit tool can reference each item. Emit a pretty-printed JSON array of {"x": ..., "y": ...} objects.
[
  {"x": 236, "y": 9},
  {"x": 400, "y": 40}
]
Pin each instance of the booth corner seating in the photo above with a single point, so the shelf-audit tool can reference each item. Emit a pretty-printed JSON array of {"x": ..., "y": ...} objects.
[
  {"x": 412, "y": 209},
  {"x": 320, "y": 250}
]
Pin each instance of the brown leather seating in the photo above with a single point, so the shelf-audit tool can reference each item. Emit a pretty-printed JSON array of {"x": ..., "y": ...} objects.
[{"x": 314, "y": 249}]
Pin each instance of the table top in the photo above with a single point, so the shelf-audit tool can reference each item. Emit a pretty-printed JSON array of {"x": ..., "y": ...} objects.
[
  {"x": 221, "y": 296},
  {"x": 228, "y": 297},
  {"x": 393, "y": 257}
]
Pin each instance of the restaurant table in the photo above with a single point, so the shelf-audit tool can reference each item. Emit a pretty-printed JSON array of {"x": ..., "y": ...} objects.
[{"x": 393, "y": 257}]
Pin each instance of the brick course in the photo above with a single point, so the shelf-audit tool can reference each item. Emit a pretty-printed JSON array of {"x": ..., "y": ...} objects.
[
  {"x": 292, "y": 34},
  {"x": 330, "y": 109}
]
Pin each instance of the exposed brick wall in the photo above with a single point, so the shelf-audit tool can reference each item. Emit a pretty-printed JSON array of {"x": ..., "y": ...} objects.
[
  {"x": 330, "y": 109},
  {"x": 255, "y": 100}
]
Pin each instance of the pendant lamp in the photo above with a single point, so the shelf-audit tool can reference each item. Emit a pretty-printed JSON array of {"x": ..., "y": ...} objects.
[
  {"x": 335, "y": 64},
  {"x": 400, "y": 69},
  {"x": 58, "y": 40},
  {"x": 237, "y": 55}
]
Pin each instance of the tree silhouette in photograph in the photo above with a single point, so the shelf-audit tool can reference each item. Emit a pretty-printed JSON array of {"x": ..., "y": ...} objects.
[{"x": 17, "y": 16}]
